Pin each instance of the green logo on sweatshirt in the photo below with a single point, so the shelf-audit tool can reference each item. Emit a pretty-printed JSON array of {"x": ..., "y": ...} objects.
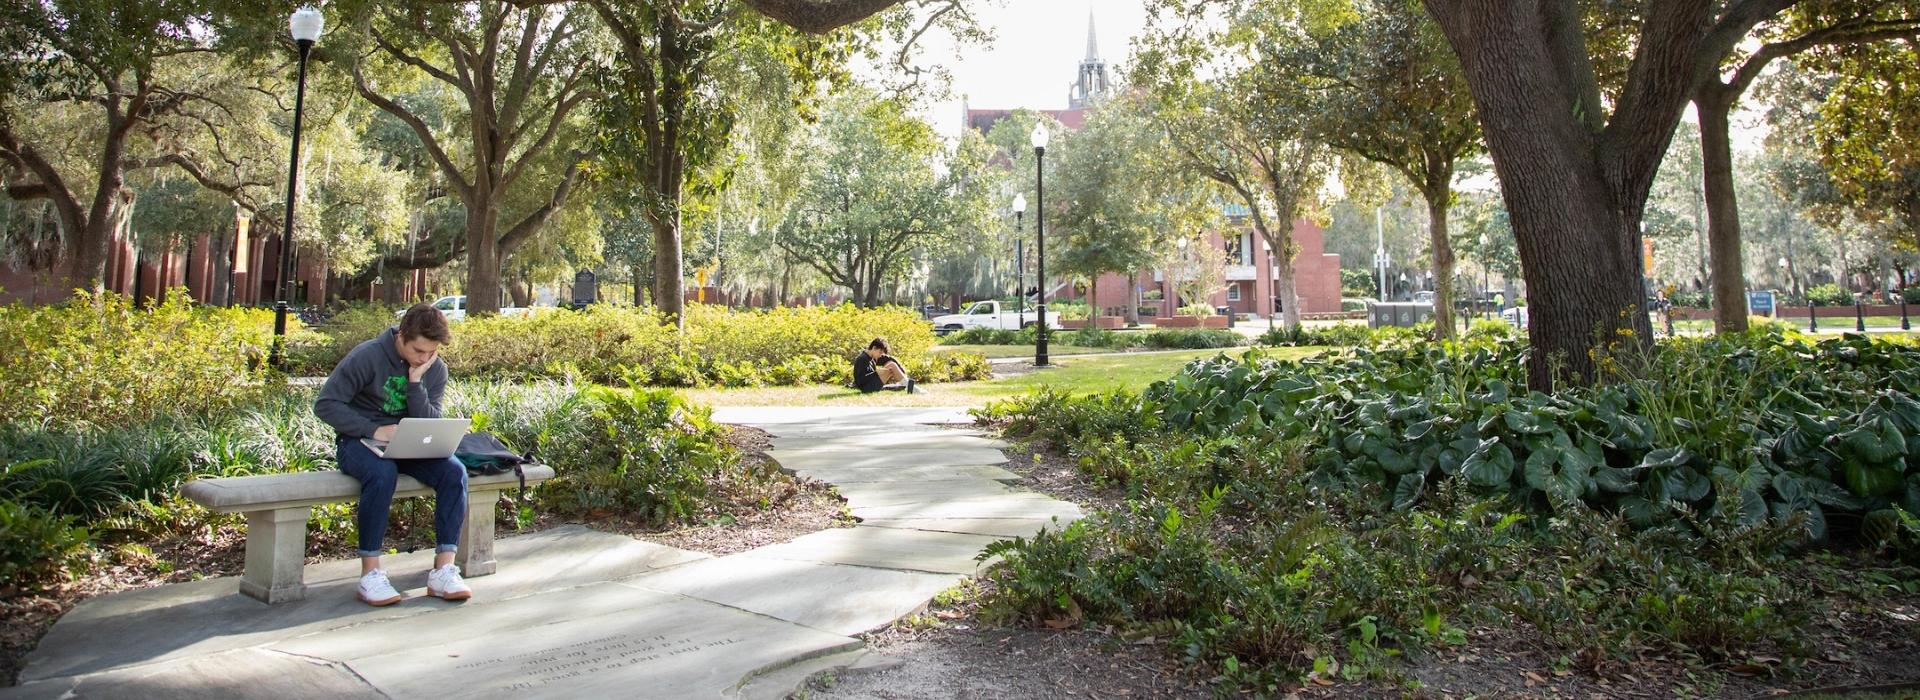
[{"x": 396, "y": 395}]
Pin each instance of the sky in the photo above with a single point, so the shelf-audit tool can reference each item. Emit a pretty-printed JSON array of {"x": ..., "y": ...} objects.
[{"x": 1037, "y": 47}]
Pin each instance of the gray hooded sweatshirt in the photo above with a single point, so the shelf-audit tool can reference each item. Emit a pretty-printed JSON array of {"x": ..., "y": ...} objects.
[{"x": 369, "y": 389}]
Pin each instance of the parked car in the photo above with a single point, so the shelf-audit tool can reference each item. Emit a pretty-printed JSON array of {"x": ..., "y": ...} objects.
[
  {"x": 991, "y": 314},
  {"x": 455, "y": 308},
  {"x": 1516, "y": 316}
]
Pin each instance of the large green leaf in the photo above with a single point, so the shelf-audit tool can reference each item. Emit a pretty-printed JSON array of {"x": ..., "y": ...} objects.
[
  {"x": 1686, "y": 484},
  {"x": 1559, "y": 471},
  {"x": 1872, "y": 481},
  {"x": 1491, "y": 465},
  {"x": 1409, "y": 490},
  {"x": 1666, "y": 457}
]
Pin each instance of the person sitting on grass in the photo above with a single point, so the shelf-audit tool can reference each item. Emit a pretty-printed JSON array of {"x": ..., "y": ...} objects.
[
  {"x": 874, "y": 369},
  {"x": 398, "y": 374}
]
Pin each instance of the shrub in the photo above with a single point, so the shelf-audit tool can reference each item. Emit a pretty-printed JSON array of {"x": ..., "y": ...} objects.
[
  {"x": 347, "y": 328},
  {"x": 1197, "y": 310},
  {"x": 608, "y": 345},
  {"x": 38, "y": 547},
  {"x": 1702, "y": 299},
  {"x": 991, "y": 336},
  {"x": 1070, "y": 310},
  {"x": 643, "y": 453},
  {"x": 1340, "y": 335},
  {"x": 1829, "y": 295},
  {"x": 99, "y": 360},
  {"x": 1289, "y": 518},
  {"x": 1185, "y": 339},
  {"x": 1910, "y": 294}
]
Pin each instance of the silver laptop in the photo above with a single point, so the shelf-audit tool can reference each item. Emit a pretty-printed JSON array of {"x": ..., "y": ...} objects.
[{"x": 421, "y": 438}]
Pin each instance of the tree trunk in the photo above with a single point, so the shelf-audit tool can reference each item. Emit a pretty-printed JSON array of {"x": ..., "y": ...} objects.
[
  {"x": 1574, "y": 189},
  {"x": 522, "y": 293},
  {"x": 669, "y": 290},
  {"x": 1723, "y": 211},
  {"x": 1437, "y": 206},
  {"x": 483, "y": 254},
  {"x": 1280, "y": 245},
  {"x": 1133, "y": 298},
  {"x": 95, "y": 233}
]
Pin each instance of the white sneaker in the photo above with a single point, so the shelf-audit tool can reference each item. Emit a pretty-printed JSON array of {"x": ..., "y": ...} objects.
[
  {"x": 376, "y": 590},
  {"x": 444, "y": 583}
]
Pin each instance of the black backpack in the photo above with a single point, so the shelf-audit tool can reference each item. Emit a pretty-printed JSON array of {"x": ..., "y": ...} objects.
[{"x": 484, "y": 455}]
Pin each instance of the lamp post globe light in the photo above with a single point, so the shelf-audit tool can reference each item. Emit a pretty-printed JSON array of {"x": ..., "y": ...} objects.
[
  {"x": 305, "y": 25},
  {"x": 1020, "y": 258},
  {"x": 1040, "y": 138}
]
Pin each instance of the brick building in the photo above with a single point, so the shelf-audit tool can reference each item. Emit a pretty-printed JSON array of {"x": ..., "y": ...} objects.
[{"x": 1251, "y": 270}]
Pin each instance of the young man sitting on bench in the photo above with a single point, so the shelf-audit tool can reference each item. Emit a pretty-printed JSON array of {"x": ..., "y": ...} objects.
[{"x": 874, "y": 369}]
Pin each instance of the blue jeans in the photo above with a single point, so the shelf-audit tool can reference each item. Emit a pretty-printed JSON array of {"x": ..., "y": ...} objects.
[{"x": 447, "y": 477}]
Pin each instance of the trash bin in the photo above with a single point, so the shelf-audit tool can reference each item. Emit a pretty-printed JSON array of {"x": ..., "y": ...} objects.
[
  {"x": 1401, "y": 314},
  {"x": 1225, "y": 311}
]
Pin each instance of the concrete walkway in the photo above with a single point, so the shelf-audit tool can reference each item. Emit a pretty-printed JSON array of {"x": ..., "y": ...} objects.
[{"x": 578, "y": 613}]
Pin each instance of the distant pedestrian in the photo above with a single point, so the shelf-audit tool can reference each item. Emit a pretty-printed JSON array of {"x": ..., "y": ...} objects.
[{"x": 875, "y": 369}]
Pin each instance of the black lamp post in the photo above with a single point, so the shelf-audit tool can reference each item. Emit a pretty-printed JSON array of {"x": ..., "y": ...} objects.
[
  {"x": 305, "y": 25},
  {"x": 1040, "y": 138},
  {"x": 1813, "y": 320},
  {"x": 1904, "y": 324},
  {"x": 1859, "y": 315},
  {"x": 1020, "y": 257}
]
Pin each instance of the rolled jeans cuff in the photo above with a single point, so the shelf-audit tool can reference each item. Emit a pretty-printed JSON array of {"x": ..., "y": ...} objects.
[
  {"x": 444, "y": 548},
  {"x": 366, "y": 553}
]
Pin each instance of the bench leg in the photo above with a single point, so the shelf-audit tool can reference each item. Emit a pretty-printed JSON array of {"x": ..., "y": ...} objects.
[
  {"x": 276, "y": 553},
  {"x": 475, "y": 557}
]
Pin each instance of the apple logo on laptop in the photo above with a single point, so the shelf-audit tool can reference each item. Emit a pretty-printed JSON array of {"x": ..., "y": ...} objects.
[{"x": 427, "y": 441}]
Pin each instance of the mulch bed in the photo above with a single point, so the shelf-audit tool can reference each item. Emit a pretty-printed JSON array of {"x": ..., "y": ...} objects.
[{"x": 954, "y": 653}]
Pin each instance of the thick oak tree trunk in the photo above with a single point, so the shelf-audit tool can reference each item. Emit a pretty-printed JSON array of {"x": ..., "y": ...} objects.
[{"x": 1573, "y": 186}]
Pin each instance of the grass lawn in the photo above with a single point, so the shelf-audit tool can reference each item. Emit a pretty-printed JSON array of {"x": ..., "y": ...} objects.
[
  {"x": 1826, "y": 324},
  {"x": 995, "y": 352},
  {"x": 1081, "y": 375}
]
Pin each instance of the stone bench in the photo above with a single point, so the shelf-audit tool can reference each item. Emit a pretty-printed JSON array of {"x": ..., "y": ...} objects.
[{"x": 278, "y": 505}]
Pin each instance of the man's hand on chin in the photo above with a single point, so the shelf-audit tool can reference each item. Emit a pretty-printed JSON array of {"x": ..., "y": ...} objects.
[{"x": 415, "y": 372}]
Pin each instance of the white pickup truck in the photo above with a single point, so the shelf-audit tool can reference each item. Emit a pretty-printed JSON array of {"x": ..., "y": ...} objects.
[
  {"x": 991, "y": 314},
  {"x": 455, "y": 308}
]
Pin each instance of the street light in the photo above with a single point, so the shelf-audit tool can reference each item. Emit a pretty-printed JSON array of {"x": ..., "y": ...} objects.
[
  {"x": 1020, "y": 257},
  {"x": 1040, "y": 138},
  {"x": 305, "y": 25}
]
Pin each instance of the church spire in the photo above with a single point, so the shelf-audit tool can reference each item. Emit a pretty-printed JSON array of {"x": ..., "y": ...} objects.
[{"x": 1093, "y": 42}]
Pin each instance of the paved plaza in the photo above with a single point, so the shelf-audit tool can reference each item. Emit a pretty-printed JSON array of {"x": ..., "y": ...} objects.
[{"x": 574, "y": 612}]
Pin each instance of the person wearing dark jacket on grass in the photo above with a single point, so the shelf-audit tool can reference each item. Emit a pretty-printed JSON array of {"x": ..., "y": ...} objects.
[
  {"x": 398, "y": 374},
  {"x": 875, "y": 369}
]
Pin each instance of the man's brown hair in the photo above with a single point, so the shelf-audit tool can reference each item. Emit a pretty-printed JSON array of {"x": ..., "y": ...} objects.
[
  {"x": 424, "y": 321},
  {"x": 881, "y": 345}
]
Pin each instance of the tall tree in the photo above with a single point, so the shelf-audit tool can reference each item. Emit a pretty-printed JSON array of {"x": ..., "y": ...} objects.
[
  {"x": 1805, "y": 26},
  {"x": 520, "y": 73},
  {"x": 1384, "y": 86},
  {"x": 1122, "y": 200},
  {"x": 120, "y": 65},
  {"x": 1576, "y": 169},
  {"x": 879, "y": 191},
  {"x": 1240, "y": 128}
]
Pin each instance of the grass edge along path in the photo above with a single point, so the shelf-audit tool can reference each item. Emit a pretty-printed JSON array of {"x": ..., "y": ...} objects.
[{"x": 1080, "y": 375}]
